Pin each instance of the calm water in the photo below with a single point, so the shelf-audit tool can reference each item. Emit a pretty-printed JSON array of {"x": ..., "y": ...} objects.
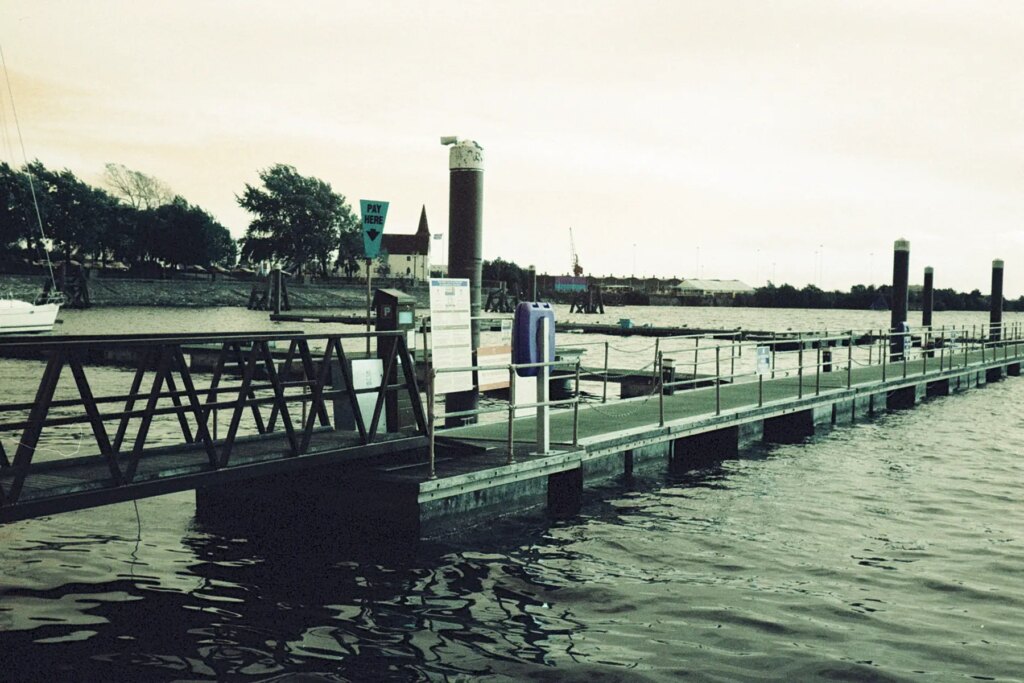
[{"x": 890, "y": 550}]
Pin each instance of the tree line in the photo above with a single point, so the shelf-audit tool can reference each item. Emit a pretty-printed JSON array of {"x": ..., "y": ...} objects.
[
  {"x": 298, "y": 222},
  {"x": 134, "y": 220},
  {"x": 859, "y": 297}
]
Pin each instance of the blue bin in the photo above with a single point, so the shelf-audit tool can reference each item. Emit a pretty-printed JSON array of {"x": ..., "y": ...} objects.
[{"x": 525, "y": 331}]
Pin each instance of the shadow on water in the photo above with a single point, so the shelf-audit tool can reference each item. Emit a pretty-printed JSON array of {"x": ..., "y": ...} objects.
[
  {"x": 324, "y": 603},
  {"x": 276, "y": 608}
]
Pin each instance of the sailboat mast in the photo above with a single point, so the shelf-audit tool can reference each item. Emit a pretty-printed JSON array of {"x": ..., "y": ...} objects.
[{"x": 28, "y": 174}]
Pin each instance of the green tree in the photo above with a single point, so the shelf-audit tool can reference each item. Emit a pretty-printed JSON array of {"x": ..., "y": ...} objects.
[
  {"x": 187, "y": 235},
  {"x": 383, "y": 264},
  {"x": 509, "y": 272},
  {"x": 17, "y": 216},
  {"x": 350, "y": 250},
  {"x": 297, "y": 219},
  {"x": 72, "y": 210}
]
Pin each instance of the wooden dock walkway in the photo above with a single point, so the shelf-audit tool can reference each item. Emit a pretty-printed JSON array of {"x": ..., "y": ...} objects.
[
  {"x": 388, "y": 476},
  {"x": 619, "y": 438}
]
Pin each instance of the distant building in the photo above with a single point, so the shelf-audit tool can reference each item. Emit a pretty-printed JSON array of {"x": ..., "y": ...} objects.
[
  {"x": 570, "y": 284},
  {"x": 408, "y": 254},
  {"x": 692, "y": 288}
]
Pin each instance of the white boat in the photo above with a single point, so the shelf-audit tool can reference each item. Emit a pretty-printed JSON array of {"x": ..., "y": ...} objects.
[{"x": 21, "y": 317}]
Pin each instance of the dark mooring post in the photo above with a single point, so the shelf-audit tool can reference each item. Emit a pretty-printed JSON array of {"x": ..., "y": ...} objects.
[
  {"x": 531, "y": 283},
  {"x": 276, "y": 289},
  {"x": 900, "y": 281},
  {"x": 928, "y": 297},
  {"x": 995, "y": 317},
  {"x": 465, "y": 242}
]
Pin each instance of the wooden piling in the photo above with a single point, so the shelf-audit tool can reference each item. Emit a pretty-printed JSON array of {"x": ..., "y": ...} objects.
[
  {"x": 996, "y": 313},
  {"x": 465, "y": 243},
  {"x": 900, "y": 282},
  {"x": 928, "y": 297}
]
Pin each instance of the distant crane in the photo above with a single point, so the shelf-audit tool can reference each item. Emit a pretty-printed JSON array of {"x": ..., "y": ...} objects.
[{"x": 577, "y": 269}]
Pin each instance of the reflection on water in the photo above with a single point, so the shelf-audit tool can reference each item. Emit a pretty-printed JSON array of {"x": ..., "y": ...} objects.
[{"x": 886, "y": 551}]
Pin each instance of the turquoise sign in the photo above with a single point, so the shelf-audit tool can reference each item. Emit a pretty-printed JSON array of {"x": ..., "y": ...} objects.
[{"x": 374, "y": 215}]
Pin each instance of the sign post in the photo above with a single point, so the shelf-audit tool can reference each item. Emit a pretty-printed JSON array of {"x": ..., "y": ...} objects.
[{"x": 374, "y": 215}]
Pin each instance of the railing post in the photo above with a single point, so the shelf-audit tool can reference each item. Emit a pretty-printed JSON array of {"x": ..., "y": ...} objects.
[
  {"x": 661, "y": 393},
  {"x": 576, "y": 410},
  {"x": 431, "y": 375},
  {"x": 544, "y": 389},
  {"x": 732, "y": 359},
  {"x": 604, "y": 388},
  {"x": 760, "y": 390},
  {"x": 924, "y": 353},
  {"x": 817, "y": 371},
  {"x": 696, "y": 347},
  {"x": 800, "y": 368},
  {"x": 906, "y": 343},
  {"x": 884, "y": 356},
  {"x": 718, "y": 379},
  {"x": 773, "y": 353},
  {"x": 966, "y": 344},
  {"x": 849, "y": 363},
  {"x": 657, "y": 355},
  {"x": 511, "y": 413}
]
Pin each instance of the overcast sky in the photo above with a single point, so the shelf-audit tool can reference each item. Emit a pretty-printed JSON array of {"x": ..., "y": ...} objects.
[{"x": 792, "y": 141}]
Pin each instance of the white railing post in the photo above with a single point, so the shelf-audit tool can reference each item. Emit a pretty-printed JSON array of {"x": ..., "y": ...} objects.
[{"x": 543, "y": 390}]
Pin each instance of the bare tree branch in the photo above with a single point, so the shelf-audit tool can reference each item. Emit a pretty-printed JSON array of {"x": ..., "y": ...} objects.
[{"x": 139, "y": 190}]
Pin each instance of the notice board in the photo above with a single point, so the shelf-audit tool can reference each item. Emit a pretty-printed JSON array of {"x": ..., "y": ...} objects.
[{"x": 451, "y": 336}]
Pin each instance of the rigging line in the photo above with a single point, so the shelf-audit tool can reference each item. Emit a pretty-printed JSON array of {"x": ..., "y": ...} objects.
[
  {"x": 28, "y": 174},
  {"x": 8, "y": 150}
]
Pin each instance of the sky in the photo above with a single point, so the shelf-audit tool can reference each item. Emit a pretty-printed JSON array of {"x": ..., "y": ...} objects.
[{"x": 791, "y": 141}]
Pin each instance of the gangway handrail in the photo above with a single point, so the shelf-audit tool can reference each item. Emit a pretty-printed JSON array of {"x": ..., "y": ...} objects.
[{"x": 194, "y": 405}]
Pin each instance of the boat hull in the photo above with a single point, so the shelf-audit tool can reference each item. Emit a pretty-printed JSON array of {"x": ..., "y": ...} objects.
[{"x": 19, "y": 317}]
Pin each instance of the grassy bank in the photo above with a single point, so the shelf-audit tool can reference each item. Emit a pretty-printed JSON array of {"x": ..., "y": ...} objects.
[{"x": 200, "y": 293}]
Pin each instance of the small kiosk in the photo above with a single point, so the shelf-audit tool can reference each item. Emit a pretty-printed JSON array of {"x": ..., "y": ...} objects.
[{"x": 395, "y": 310}]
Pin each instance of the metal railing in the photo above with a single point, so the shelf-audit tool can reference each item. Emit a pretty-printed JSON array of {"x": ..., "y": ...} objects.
[
  {"x": 932, "y": 350},
  {"x": 245, "y": 377},
  {"x": 511, "y": 409}
]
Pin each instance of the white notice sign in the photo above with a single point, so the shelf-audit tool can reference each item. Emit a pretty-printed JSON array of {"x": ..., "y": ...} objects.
[
  {"x": 451, "y": 337},
  {"x": 764, "y": 360}
]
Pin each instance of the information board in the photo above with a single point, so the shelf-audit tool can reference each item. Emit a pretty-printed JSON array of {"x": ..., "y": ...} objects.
[
  {"x": 451, "y": 337},
  {"x": 764, "y": 360}
]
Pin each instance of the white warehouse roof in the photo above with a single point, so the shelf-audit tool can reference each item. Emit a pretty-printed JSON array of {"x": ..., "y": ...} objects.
[{"x": 714, "y": 286}]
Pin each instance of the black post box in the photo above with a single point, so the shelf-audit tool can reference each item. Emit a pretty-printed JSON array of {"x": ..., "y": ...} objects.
[{"x": 395, "y": 310}]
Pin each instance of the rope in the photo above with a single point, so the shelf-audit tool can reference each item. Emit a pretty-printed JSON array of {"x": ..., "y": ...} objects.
[
  {"x": 44, "y": 449},
  {"x": 619, "y": 413},
  {"x": 24, "y": 156},
  {"x": 636, "y": 350}
]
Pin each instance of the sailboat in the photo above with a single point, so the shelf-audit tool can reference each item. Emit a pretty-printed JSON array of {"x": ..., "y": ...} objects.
[{"x": 23, "y": 317}]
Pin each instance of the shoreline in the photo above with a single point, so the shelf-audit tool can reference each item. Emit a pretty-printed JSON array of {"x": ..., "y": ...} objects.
[{"x": 196, "y": 293}]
